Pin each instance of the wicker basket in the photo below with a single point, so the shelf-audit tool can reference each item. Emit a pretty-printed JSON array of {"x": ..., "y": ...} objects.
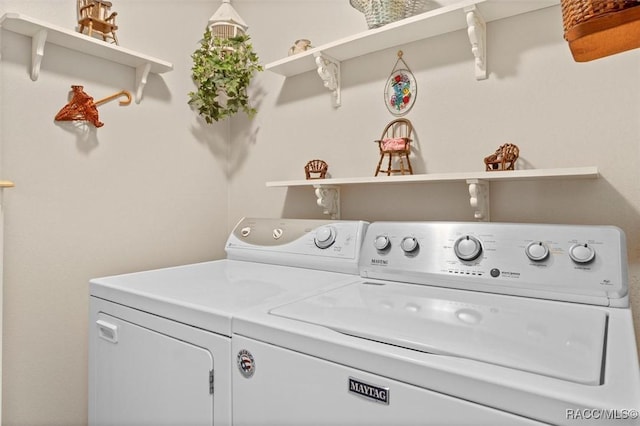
[
  {"x": 598, "y": 28},
  {"x": 382, "y": 12},
  {"x": 414, "y": 7},
  {"x": 575, "y": 12}
]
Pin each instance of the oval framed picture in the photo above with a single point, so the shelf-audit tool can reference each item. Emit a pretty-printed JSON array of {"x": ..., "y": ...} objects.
[{"x": 400, "y": 92}]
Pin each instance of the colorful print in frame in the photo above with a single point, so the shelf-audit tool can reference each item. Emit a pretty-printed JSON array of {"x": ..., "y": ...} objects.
[{"x": 400, "y": 92}]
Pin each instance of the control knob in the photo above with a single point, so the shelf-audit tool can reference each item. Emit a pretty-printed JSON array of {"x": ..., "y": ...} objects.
[
  {"x": 582, "y": 253},
  {"x": 325, "y": 237},
  {"x": 467, "y": 248},
  {"x": 409, "y": 244},
  {"x": 381, "y": 242},
  {"x": 537, "y": 251},
  {"x": 277, "y": 233}
]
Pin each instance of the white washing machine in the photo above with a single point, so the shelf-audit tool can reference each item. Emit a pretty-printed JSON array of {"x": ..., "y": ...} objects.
[
  {"x": 160, "y": 341},
  {"x": 451, "y": 324}
]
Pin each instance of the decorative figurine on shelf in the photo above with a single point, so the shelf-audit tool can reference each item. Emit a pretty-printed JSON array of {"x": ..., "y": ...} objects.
[
  {"x": 503, "y": 159},
  {"x": 95, "y": 17},
  {"x": 316, "y": 169},
  {"x": 300, "y": 46},
  {"x": 396, "y": 142},
  {"x": 81, "y": 107}
]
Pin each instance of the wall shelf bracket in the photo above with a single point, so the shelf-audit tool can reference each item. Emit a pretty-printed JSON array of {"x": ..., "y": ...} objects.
[
  {"x": 479, "y": 199},
  {"x": 329, "y": 71},
  {"x": 477, "y": 31},
  {"x": 329, "y": 199},
  {"x": 37, "y": 52},
  {"x": 142, "y": 73}
]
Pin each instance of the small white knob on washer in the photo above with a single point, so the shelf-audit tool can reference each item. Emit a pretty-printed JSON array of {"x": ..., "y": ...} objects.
[
  {"x": 467, "y": 248},
  {"x": 381, "y": 242},
  {"x": 409, "y": 244},
  {"x": 582, "y": 253},
  {"x": 537, "y": 251},
  {"x": 325, "y": 236}
]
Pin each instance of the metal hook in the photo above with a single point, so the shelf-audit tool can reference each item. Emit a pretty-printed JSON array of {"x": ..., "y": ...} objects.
[{"x": 114, "y": 96}]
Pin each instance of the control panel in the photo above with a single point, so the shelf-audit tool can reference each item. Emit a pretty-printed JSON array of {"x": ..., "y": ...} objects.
[
  {"x": 586, "y": 264},
  {"x": 315, "y": 244}
]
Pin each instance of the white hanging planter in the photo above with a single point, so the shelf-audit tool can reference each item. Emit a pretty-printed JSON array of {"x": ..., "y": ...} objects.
[
  {"x": 223, "y": 67},
  {"x": 226, "y": 23}
]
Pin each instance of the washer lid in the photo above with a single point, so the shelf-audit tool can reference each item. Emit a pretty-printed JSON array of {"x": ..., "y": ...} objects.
[{"x": 555, "y": 339}]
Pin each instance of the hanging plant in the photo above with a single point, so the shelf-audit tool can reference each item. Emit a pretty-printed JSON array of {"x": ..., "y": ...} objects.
[{"x": 222, "y": 70}]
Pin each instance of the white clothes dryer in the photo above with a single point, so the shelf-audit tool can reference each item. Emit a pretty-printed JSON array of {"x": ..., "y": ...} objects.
[
  {"x": 452, "y": 324},
  {"x": 160, "y": 341}
]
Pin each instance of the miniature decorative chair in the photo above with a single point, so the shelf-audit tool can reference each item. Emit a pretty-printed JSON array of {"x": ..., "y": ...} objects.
[
  {"x": 94, "y": 15},
  {"x": 316, "y": 169},
  {"x": 504, "y": 158},
  {"x": 396, "y": 141}
]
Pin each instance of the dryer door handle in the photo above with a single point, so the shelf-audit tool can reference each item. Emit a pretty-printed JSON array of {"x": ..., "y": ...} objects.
[{"x": 107, "y": 331}]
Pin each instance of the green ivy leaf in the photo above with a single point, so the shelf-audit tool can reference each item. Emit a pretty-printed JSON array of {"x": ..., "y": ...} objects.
[{"x": 223, "y": 67}]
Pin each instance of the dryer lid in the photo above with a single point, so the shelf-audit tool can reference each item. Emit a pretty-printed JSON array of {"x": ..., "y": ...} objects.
[{"x": 560, "y": 340}]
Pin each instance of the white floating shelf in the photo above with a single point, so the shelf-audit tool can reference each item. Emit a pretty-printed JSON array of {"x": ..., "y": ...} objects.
[
  {"x": 426, "y": 25},
  {"x": 471, "y": 15},
  {"x": 42, "y": 32},
  {"x": 328, "y": 190}
]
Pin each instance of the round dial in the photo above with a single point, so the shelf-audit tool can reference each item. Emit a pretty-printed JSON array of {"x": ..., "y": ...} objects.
[
  {"x": 467, "y": 248},
  {"x": 381, "y": 242},
  {"x": 277, "y": 233},
  {"x": 582, "y": 253},
  {"x": 409, "y": 244},
  {"x": 537, "y": 251},
  {"x": 325, "y": 236}
]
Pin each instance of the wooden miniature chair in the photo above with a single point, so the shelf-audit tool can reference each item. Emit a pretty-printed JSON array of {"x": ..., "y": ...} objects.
[
  {"x": 316, "y": 169},
  {"x": 504, "y": 158},
  {"x": 94, "y": 15},
  {"x": 396, "y": 142}
]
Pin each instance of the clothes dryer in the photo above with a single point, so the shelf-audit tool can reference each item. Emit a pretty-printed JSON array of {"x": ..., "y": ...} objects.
[{"x": 160, "y": 341}]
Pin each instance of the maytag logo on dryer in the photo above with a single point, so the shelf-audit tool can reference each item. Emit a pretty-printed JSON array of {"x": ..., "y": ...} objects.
[
  {"x": 369, "y": 391},
  {"x": 246, "y": 363},
  {"x": 379, "y": 262}
]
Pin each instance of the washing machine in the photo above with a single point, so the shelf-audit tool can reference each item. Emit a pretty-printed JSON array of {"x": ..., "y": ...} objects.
[
  {"x": 160, "y": 341},
  {"x": 451, "y": 324}
]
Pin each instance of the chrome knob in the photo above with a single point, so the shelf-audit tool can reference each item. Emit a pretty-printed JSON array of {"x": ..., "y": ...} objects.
[
  {"x": 325, "y": 237},
  {"x": 381, "y": 242},
  {"x": 409, "y": 244},
  {"x": 537, "y": 251},
  {"x": 467, "y": 248},
  {"x": 582, "y": 253}
]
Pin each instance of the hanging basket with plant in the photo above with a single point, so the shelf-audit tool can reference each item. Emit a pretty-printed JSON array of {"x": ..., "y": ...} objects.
[{"x": 222, "y": 71}]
